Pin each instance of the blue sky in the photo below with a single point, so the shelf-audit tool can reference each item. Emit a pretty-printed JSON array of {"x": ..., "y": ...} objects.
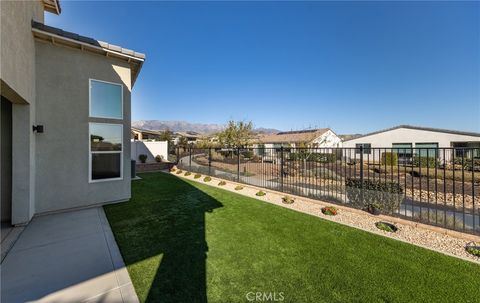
[{"x": 352, "y": 66}]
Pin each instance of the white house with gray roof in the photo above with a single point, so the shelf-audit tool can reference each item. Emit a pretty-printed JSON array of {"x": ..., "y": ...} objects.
[{"x": 413, "y": 139}]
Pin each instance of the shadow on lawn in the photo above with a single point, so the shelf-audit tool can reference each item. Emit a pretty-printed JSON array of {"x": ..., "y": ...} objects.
[{"x": 172, "y": 213}]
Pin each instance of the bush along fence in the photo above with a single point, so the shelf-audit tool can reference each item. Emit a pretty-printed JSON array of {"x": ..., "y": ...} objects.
[{"x": 437, "y": 186}]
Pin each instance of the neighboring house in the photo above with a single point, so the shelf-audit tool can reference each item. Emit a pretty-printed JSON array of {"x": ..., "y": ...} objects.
[
  {"x": 145, "y": 134},
  {"x": 191, "y": 136},
  {"x": 65, "y": 115},
  {"x": 318, "y": 138},
  {"x": 410, "y": 140}
]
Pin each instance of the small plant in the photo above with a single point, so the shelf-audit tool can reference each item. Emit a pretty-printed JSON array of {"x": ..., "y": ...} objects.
[
  {"x": 222, "y": 183},
  {"x": 373, "y": 208},
  {"x": 158, "y": 158},
  {"x": 142, "y": 158},
  {"x": 207, "y": 179},
  {"x": 238, "y": 187},
  {"x": 187, "y": 174},
  {"x": 288, "y": 200},
  {"x": 330, "y": 211},
  {"x": 472, "y": 249},
  {"x": 261, "y": 193},
  {"x": 179, "y": 172},
  {"x": 174, "y": 168},
  {"x": 197, "y": 176},
  {"x": 386, "y": 227}
]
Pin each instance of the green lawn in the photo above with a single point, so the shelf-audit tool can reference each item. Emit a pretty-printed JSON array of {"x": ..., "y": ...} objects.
[{"x": 188, "y": 242}]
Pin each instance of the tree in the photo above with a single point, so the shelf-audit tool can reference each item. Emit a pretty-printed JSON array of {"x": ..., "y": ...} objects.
[
  {"x": 166, "y": 135},
  {"x": 236, "y": 134},
  {"x": 182, "y": 141}
]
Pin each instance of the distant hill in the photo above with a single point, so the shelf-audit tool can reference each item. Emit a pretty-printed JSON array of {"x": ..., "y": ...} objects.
[{"x": 184, "y": 126}]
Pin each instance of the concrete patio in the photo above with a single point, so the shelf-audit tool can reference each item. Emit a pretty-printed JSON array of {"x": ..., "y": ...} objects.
[{"x": 66, "y": 257}]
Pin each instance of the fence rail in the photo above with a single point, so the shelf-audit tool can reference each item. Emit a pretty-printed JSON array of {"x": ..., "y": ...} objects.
[{"x": 436, "y": 186}]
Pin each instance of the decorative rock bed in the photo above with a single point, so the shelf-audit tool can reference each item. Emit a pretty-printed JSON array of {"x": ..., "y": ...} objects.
[{"x": 409, "y": 232}]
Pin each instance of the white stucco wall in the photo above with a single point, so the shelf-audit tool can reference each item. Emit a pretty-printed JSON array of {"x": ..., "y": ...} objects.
[
  {"x": 407, "y": 135},
  {"x": 149, "y": 148},
  {"x": 328, "y": 139}
]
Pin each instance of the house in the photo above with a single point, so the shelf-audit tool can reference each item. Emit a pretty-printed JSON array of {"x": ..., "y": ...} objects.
[
  {"x": 190, "y": 136},
  {"x": 65, "y": 115},
  {"x": 145, "y": 134},
  {"x": 316, "y": 138},
  {"x": 409, "y": 140}
]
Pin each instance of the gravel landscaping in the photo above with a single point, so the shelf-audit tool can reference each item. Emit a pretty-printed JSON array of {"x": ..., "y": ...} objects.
[{"x": 417, "y": 235}]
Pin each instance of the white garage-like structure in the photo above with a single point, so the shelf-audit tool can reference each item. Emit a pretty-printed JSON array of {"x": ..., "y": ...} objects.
[{"x": 409, "y": 141}]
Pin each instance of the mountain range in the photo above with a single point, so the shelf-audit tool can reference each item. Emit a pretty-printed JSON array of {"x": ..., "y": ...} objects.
[{"x": 184, "y": 126}]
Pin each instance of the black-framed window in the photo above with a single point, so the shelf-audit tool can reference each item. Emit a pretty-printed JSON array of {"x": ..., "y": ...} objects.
[{"x": 367, "y": 148}]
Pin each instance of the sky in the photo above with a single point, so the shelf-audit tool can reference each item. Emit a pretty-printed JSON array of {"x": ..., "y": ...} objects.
[{"x": 353, "y": 66}]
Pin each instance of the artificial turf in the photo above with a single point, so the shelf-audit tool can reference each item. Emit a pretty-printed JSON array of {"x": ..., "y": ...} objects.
[{"x": 188, "y": 242}]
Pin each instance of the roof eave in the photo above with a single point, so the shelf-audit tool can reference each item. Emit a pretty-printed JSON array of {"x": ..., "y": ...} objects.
[
  {"x": 52, "y": 6},
  {"x": 134, "y": 62}
]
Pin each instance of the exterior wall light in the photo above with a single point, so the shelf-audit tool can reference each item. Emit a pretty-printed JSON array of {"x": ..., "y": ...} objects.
[{"x": 38, "y": 129}]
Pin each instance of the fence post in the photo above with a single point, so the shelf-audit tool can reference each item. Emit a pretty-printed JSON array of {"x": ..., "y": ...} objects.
[
  {"x": 209, "y": 161},
  {"x": 361, "y": 175},
  {"x": 238, "y": 164},
  {"x": 281, "y": 168}
]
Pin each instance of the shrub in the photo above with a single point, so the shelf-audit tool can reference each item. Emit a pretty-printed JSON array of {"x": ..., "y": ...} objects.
[
  {"x": 247, "y": 154},
  {"x": 207, "y": 179},
  {"x": 389, "y": 158},
  {"x": 222, "y": 183},
  {"x": 261, "y": 193},
  {"x": 386, "y": 227},
  {"x": 423, "y": 161},
  {"x": 159, "y": 158},
  {"x": 238, "y": 187},
  {"x": 173, "y": 169},
  {"x": 187, "y": 173},
  {"x": 142, "y": 158},
  {"x": 387, "y": 194},
  {"x": 179, "y": 172},
  {"x": 288, "y": 200},
  {"x": 314, "y": 157},
  {"x": 329, "y": 211},
  {"x": 473, "y": 250},
  {"x": 197, "y": 176},
  {"x": 467, "y": 163}
]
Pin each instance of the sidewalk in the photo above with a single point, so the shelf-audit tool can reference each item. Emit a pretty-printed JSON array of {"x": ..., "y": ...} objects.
[{"x": 66, "y": 257}]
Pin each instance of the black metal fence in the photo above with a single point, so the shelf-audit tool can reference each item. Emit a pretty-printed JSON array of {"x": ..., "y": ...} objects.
[{"x": 437, "y": 186}]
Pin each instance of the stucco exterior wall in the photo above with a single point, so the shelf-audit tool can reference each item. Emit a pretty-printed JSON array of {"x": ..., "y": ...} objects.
[
  {"x": 18, "y": 74},
  {"x": 328, "y": 139},
  {"x": 17, "y": 54},
  {"x": 62, "y": 158}
]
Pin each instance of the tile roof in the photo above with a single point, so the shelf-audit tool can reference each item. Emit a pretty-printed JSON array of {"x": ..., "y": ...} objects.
[
  {"x": 293, "y": 136},
  {"x": 88, "y": 40}
]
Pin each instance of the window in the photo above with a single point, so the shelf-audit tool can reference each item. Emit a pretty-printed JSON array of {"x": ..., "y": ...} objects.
[
  {"x": 106, "y": 100},
  {"x": 367, "y": 148},
  {"x": 404, "y": 151},
  {"x": 426, "y": 150},
  {"x": 106, "y": 151}
]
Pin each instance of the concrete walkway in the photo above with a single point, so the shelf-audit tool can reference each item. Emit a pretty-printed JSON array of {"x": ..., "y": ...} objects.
[{"x": 66, "y": 257}]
